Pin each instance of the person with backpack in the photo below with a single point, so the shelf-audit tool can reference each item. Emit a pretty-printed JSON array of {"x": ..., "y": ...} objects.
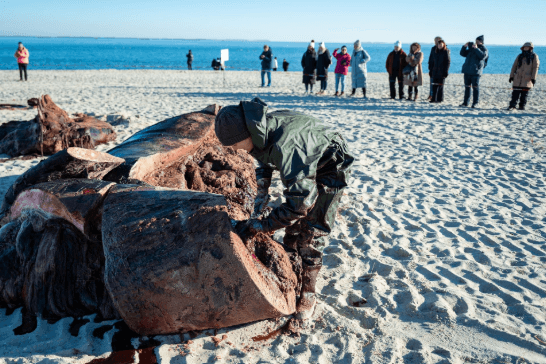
[
  {"x": 359, "y": 72},
  {"x": 476, "y": 55},
  {"x": 324, "y": 60},
  {"x": 396, "y": 61},
  {"x": 342, "y": 68},
  {"x": 523, "y": 75},
  {"x": 439, "y": 70}
]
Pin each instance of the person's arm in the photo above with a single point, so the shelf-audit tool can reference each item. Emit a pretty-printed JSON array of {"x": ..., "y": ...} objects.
[
  {"x": 446, "y": 72},
  {"x": 303, "y": 61},
  {"x": 513, "y": 70},
  {"x": 464, "y": 50},
  {"x": 480, "y": 54},
  {"x": 268, "y": 56},
  {"x": 366, "y": 58},
  {"x": 387, "y": 62},
  {"x": 335, "y": 54},
  {"x": 431, "y": 60},
  {"x": 534, "y": 70},
  {"x": 264, "y": 173}
]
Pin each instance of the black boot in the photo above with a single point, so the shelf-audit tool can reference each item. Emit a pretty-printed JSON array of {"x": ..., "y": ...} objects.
[
  {"x": 354, "y": 91},
  {"x": 364, "y": 92}
]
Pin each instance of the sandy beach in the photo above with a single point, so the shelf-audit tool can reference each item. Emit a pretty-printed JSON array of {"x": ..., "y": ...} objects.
[{"x": 442, "y": 229}]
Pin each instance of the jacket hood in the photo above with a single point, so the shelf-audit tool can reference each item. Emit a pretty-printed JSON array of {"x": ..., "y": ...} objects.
[{"x": 255, "y": 118}]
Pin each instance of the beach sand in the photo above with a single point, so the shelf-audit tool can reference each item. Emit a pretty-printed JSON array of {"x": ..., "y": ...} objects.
[{"x": 442, "y": 229}]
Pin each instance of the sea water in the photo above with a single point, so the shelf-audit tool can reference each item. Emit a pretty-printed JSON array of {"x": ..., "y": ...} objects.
[{"x": 117, "y": 53}]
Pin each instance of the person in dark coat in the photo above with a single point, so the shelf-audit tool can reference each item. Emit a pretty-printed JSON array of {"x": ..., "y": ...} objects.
[
  {"x": 396, "y": 61},
  {"x": 432, "y": 51},
  {"x": 438, "y": 67},
  {"x": 476, "y": 60},
  {"x": 267, "y": 61},
  {"x": 285, "y": 65},
  {"x": 309, "y": 65},
  {"x": 189, "y": 56},
  {"x": 523, "y": 75},
  {"x": 215, "y": 64},
  {"x": 323, "y": 62},
  {"x": 314, "y": 164}
]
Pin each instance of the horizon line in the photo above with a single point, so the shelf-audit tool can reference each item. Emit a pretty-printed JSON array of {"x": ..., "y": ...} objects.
[{"x": 219, "y": 40}]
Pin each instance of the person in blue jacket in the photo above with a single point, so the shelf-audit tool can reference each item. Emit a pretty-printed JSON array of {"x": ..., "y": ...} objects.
[
  {"x": 267, "y": 60},
  {"x": 476, "y": 60}
]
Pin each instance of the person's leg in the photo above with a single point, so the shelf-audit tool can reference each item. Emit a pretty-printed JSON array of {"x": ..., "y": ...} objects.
[
  {"x": 441, "y": 90},
  {"x": 342, "y": 83},
  {"x": 416, "y": 92},
  {"x": 400, "y": 87},
  {"x": 523, "y": 99},
  {"x": 263, "y": 78},
  {"x": 338, "y": 79},
  {"x": 467, "y": 86},
  {"x": 331, "y": 181},
  {"x": 515, "y": 98},
  {"x": 306, "y": 87},
  {"x": 20, "y": 71},
  {"x": 269, "y": 78},
  {"x": 392, "y": 82},
  {"x": 25, "y": 71},
  {"x": 410, "y": 92},
  {"x": 311, "y": 87},
  {"x": 364, "y": 92},
  {"x": 431, "y": 95},
  {"x": 475, "y": 90}
]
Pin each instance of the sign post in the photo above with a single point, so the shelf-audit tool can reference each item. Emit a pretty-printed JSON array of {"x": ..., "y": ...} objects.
[{"x": 224, "y": 56}]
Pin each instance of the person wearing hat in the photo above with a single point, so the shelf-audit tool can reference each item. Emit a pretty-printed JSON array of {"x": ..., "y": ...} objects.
[
  {"x": 439, "y": 70},
  {"x": 432, "y": 53},
  {"x": 476, "y": 55},
  {"x": 309, "y": 65},
  {"x": 314, "y": 166},
  {"x": 359, "y": 73},
  {"x": 396, "y": 61},
  {"x": 324, "y": 60},
  {"x": 342, "y": 68},
  {"x": 22, "y": 60},
  {"x": 523, "y": 75}
]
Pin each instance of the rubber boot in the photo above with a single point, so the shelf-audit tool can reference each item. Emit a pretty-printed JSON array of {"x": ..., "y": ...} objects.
[
  {"x": 308, "y": 300},
  {"x": 410, "y": 94},
  {"x": 364, "y": 92},
  {"x": 354, "y": 91}
]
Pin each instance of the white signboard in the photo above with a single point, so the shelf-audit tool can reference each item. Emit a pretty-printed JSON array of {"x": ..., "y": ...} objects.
[{"x": 224, "y": 55}]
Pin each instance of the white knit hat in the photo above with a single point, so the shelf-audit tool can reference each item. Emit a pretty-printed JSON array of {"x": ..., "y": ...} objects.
[
  {"x": 398, "y": 44},
  {"x": 312, "y": 44},
  {"x": 322, "y": 45}
]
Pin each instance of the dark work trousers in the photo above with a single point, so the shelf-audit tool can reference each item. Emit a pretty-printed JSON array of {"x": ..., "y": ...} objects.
[
  {"x": 438, "y": 89},
  {"x": 471, "y": 83},
  {"x": 411, "y": 89},
  {"x": 189, "y": 66},
  {"x": 306, "y": 236},
  {"x": 323, "y": 82},
  {"x": 23, "y": 69},
  {"x": 392, "y": 82},
  {"x": 520, "y": 94}
]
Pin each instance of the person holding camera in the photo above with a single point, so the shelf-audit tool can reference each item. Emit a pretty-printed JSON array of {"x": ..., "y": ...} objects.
[
  {"x": 22, "y": 60},
  {"x": 267, "y": 60},
  {"x": 524, "y": 75},
  {"x": 476, "y": 60}
]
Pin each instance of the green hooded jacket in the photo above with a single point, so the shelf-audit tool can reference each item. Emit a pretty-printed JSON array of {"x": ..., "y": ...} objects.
[{"x": 297, "y": 146}]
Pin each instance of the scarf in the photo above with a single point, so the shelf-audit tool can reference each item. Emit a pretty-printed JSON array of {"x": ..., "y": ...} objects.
[{"x": 528, "y": 55}]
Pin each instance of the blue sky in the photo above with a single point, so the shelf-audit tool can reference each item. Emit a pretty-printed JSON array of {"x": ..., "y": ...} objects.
[{"x": 510, "y": 22}]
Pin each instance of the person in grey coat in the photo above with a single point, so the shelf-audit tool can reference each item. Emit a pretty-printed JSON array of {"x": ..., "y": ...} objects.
[
  {"x": 476, "y": 60},
  {"x": 358, "y": 68}
]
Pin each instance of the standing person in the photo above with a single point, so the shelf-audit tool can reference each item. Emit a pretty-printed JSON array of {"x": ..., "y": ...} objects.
[
  {"x": 314, "y": 164},
  {"x": 432, "y": 51},
  {"x": 22, "y": 60},
  {"x": 396, "y": 61},
  {"x": 324, "y": 60},
  {"x": 359, "y": 72},
  {"x": 524, "y": 75},
  {"x": 309, "y": 65},
  {"x": 266, "y": 57},
  {"x": 189, "y": 56},
  {"x": 342, "y": 68},
  {"x": 476, "y": 60},
  {"x": 275, "y": 64},
  {"x": 439, "y": 70},
  {"x": 285, "y": 65},
  {"x": 413, "y": 74}
]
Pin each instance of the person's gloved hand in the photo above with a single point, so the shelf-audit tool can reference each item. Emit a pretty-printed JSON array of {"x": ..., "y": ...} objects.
[
  {"x": 511, "y": 79},
  {"x": 430, "y": 74},
  {"x": 262, "y": 197},
  {"x": 248, "y": 228},
  {"x": 533, "y": 81}
]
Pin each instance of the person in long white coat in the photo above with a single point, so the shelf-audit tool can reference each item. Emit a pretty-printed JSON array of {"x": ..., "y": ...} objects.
[{"x": 358, "y": 68}]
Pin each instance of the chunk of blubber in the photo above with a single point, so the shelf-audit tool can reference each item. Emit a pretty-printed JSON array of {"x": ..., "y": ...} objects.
[
  {"x": 173, "y": 264},
  {"x": 77, "y": 200},
  {"x": 155, "y": 148}
]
